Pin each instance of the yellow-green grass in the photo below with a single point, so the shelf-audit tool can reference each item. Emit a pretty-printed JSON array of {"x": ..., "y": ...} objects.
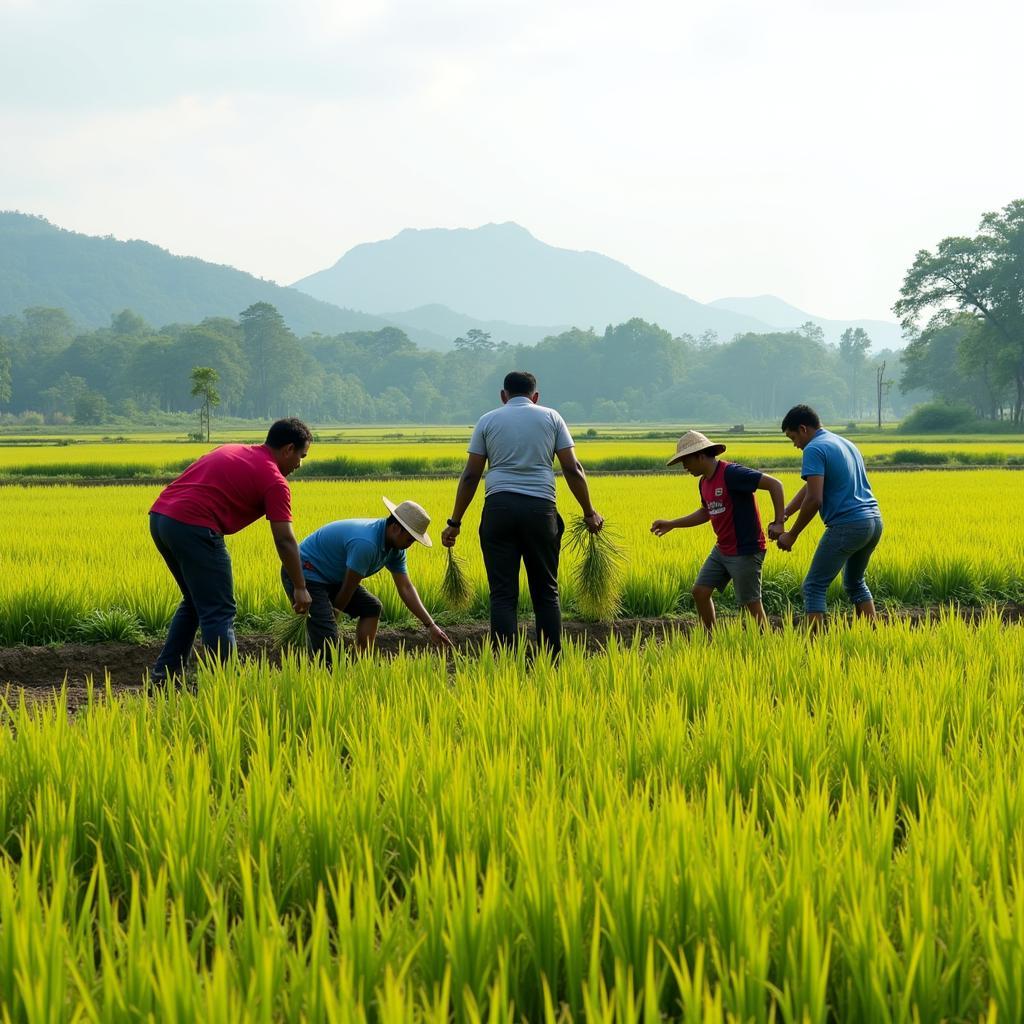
[
  {"x": 71, "y": 551},
  {"x": 763, "y": 829},
  {"x": 418, "y": 455}
]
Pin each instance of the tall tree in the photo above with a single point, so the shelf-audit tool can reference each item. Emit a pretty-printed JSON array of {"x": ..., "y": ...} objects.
[
  {"x": 983, "y": 275},
  {"x": 854, "y": 345},
  {"x": 5, "y": 374},
  {"x": 273, "y": 354},
  {"x": 204, "y": 385}
]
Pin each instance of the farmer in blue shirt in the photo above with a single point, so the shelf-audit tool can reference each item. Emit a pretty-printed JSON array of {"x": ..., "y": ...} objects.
[
  {"x": 835, "y": 484},
  {"x": 339, "y": 556}
]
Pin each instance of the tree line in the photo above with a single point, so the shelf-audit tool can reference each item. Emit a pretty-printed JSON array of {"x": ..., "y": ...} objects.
[
  {"x": 962, "y": 308},
  {"x": 630, "y": 371}
]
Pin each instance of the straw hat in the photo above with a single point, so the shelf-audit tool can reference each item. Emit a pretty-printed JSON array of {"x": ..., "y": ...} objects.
[
  {"x": 414, "y": 518},
  {"x": 694, "y": 441}
]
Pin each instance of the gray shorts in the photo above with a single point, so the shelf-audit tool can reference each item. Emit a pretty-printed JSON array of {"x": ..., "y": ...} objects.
[{"x": 743, "y": 570}]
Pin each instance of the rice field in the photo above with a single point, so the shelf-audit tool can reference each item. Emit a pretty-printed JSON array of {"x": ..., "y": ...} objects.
[
  {"x": 769, "y": 831},
  {"x": 358, "y": 455},
  {"x": 78, "y": 562}
]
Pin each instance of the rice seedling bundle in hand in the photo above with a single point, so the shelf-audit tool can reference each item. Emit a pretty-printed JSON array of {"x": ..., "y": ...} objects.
[
  {"x": 600, "y": 573},
  {"x": 290, "y": 631},
  {"x": 456, "y": 588}
]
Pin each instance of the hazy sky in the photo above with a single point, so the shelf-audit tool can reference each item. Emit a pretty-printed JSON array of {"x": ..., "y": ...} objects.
[{"x": 805, "y": 149}]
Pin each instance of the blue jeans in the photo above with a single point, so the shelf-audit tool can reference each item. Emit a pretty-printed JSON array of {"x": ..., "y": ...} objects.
[
  {"x": 201, "y": 566},
  {"x": 847, "y": 547}
]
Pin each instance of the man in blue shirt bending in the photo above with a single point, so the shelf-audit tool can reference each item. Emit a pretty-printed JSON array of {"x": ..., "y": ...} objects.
[
  {"x": 339, "y": 556},
  {"x": 836, "y": 485}
]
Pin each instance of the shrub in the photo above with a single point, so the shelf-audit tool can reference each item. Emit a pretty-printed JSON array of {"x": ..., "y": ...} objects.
[{"x": 940, "y": 418}]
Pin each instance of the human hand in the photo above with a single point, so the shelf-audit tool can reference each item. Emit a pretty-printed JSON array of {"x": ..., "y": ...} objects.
[
  {"x": 301, "y": 600},
  {"x": 594, "y": 522},
  {"x": 786, "y": 540},
  {"x": 776, "y": 529},
  {"x": 449, "y": 535},
  {"x": 661, "y": 526},
  {"x": 439, "y": 638}
]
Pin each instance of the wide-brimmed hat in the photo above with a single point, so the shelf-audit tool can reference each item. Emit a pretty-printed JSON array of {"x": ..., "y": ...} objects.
[
  {"x": 414, "y": 518},
  {"x": 694, "y": 441}
]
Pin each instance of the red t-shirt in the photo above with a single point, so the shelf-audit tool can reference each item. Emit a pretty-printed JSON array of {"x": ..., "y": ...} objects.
[
  {"x": 227, "y": 489},
  {"x": 728, "y": 495}
]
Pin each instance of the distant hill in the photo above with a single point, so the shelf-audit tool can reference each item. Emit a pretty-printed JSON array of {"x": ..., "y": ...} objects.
[
  {"x": 774, "y": 311},
  {"x": 446, "y": 323},
  {"x": 92, "y": 278},
  {"x": 501, "y": 272}
]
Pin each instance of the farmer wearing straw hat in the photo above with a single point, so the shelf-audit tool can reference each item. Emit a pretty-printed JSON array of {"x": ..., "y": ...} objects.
[
  {"x": 726, "y": 501},
  {"x": 339, "y": 556}
]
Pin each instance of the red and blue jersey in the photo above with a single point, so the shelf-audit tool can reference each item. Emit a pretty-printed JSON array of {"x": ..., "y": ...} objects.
[{"x": 728, "y": 496}]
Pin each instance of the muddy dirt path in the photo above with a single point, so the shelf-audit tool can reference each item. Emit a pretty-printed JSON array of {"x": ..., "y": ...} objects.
[{"x": 38, "y": 671}]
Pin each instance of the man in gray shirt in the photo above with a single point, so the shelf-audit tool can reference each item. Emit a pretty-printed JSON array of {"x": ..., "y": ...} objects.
[{"x": 518, "y": 442}]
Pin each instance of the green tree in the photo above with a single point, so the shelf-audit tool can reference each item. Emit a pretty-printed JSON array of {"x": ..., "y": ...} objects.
[
  {"x": 204, "y": 385},
  {"x": 5, "y": 374},
  {"x": 273, "y": 354},
  {"x": 854, "y": 345},
  {"x": 475, "y": 341},
  {"x": 91, "y": 407},
  {"x": 982, "y": 275}
]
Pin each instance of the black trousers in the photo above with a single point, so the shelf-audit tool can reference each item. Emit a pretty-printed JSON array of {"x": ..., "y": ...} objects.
[
  {"x": 322, "y": 618},
  {"x": 514, "y": 528}
]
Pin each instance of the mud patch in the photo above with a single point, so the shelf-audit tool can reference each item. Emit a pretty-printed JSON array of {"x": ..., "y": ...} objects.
[{"x": 37, "y": 672}]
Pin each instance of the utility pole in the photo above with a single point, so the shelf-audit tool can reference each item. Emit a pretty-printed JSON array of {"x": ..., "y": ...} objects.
[{"x": 879, "y": 388}]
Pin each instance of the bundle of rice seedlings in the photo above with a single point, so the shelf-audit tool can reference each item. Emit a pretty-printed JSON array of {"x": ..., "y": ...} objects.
[
  {"x": 600, "y": 573},
  {"x": 289, "y": 631},
  {"x": 456, "y": 588}
]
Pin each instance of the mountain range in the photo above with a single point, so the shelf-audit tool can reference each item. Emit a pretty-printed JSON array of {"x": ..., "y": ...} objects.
[{"x": 435, "y": 284}]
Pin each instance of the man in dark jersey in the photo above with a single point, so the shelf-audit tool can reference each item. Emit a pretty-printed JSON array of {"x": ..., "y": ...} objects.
[
  {"x": 726, "y": 501},
  {"x": 220, "y": 494}
]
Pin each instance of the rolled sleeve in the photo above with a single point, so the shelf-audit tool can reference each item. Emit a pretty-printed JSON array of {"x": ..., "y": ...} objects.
[
  {"x": 278, "y": 502},
  {"x": 563, "y": 439},
  {"x": 477, "y": 444},
  {"x": 813, "y": 463}
]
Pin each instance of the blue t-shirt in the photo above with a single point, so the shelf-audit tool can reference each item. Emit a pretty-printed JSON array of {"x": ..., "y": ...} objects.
[
  {"x": 847, "y": 496},
  {"x": 356, "y": 544}
]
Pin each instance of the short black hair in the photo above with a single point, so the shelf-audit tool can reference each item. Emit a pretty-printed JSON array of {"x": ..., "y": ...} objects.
[
  {"x": 519, "y": 382},
  {"x": 800, "y": 416},
  {"x": 289, "y": 431}
]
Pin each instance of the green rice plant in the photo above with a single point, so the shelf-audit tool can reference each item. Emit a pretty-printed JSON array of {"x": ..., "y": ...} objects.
[
  {"x": 456, "y": 588},
  {"x": 109, "y": 625},
  {"x": 599, "y": 574},
  {"x": 290, "y": 632}
]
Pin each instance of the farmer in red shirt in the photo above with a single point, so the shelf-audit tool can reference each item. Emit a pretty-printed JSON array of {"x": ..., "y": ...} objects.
[
  {"x": 727, "y": 501},
  {"x": 222, "y": 493}
]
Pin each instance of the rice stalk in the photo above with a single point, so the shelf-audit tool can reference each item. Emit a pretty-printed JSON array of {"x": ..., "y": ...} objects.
[
  {"x": 456, "y": 588},
  {"x": 289, "y": 631},
  {"x": 600, "y": 573}
]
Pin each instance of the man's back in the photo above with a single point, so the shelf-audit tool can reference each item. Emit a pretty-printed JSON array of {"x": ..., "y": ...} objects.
[
  {"x": 846, "y": 493},
  {"x": 519, "y": 441}
]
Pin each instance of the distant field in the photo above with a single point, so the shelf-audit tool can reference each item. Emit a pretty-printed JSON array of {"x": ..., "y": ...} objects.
[
  {"x": 72, "y": 552},
  {"x": 360, "y": 453}
]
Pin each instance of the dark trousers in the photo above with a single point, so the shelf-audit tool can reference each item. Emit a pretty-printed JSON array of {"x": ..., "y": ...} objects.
[
  {"x": 518, "y": 527},
  {"x": 201, "y": 566},
  {"x": 322, "y": 618}
]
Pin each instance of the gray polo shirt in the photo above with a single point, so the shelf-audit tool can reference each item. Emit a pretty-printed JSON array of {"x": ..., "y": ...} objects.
[{"x": 519, "y": 441}]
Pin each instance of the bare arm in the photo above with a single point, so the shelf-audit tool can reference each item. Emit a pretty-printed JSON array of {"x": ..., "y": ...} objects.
[
  {"x": 468, "y": 483},
  {"x": 662, "y": 526},
  {"x": 572, "y": 470},
  {"x": 411, "y": 599},
  {"x": 288, "y": 551},
  {"x": 813, "y": 491},
  {"x": 796, "y": 502},
  {"x": 811, "y": 494},
  {"x": 774, "y": 487}
]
